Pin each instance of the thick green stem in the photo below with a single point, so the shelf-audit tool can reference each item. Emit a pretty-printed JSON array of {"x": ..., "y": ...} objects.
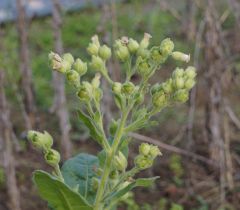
[{"x": 108, "y": 163}]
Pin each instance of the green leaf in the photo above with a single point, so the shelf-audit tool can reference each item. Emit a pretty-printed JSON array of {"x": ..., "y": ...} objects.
[
  {"x": 78, "y": 173},
  {"x": 94, "y": 132},
  {"x": 58, "y": 194},
  {"x": 141, "y": 182}
]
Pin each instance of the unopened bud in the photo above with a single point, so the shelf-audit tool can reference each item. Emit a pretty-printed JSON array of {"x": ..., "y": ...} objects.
[
  {"x": 144, "y": 148},
  {"x": 154, "y": 152},
  {"x": 145, "y": 41},
  {"x": 92, "y": 49},
  {"x": 143, "y": 162},
  {"x": 166, "y": 46},
  {"x": 105, "y": 52},
  {"x": 167, "y": 86},
  {"x": 178, "y": 72},
  {"x": 181, "y": 96},
  {"x": 52, "y": 157},
  {"x": 116, "y": 87},
  {"x": 190, "y": 72},
  {"x": 120, "y": 162},
  {"x": 159, "y": 99},
  {"x": 122, "y": 53},
  {"x": 85, "y": 92},
  {"x": 189, "y": 83},
  {"x": 97, "y": 63},
  {"x": 128, "y": 88},
  {"x": 73, "y": 77},
  {"x": 40, "y": 140},
  {"x": 143, "y": 67},
  {"x": 156, "y": 56},
  {"x": 178, "y": 82},
  {"x": 179, "y": 56},
  {"x": 66, "y": 66},
  {"x": 133, "y": 45},
  {"x": 80, "y": 67},
  {"x": 96, "y": 81},
  {"x": 69, "y": 58},
  {"x": 55, "y": 61}
]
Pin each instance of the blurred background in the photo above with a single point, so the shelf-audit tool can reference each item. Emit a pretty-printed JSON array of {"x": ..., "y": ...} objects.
[{"x": 200, "y": 141}]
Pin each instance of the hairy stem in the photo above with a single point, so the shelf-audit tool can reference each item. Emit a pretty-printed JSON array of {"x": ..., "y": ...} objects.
[{"x": 108, "y": 163}]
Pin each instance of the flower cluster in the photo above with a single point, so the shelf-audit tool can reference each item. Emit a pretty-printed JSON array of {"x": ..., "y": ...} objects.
[
  {"x": 175, "y": 89},
  {"x": 43, "y": 141},
  {"x": 147, "y": 154}
]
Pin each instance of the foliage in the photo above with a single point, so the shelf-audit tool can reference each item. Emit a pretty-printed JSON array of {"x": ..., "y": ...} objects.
[{"x": 103, "y": 181}]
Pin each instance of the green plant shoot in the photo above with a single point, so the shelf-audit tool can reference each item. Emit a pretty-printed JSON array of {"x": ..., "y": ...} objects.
[{"x": 88, "y": 182}]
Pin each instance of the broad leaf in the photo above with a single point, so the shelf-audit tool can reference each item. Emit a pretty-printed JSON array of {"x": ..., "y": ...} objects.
[
  {"x": 58, "y": 194},
  {"x": 78, "y": 173},
  {"x": 141, "y": 182}
]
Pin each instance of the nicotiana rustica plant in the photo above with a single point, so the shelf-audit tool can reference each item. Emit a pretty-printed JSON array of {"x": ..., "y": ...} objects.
[{"x": 88, "y": 182}]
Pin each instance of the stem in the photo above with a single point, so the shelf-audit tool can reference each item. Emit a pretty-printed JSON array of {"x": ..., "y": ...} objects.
[
  {"x": 108, "y": 163},
  {"x": 59, "y": 173}
]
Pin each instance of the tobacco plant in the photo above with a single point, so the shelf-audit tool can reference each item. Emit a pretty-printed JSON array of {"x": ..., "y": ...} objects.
[{"x": 88, "y": 182}]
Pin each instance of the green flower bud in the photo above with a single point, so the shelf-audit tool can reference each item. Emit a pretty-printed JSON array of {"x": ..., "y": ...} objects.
[
  {"x": 122, "y": 53},
  {"x": 178, "y": 82},
  {"x": 55, "y": 61},
  {"x": 154, "y": 151},
  {"x": 40, "y": 140},
  {"x": 190, "y": 72},
  {"x": 66, "y": 66},
  {"x": 166, "y": 46},
  {"x": 145, "y": 41},
  {"x": 97, "y": 63},
  {"x": 189, "y": 83},
  {"x": 167, "y": 86},
  {"x": 156, "y": 56},
  {"x": 96, "y": 81},
  {"x": 116, "y": 88},
  {"x": 159, "y": 99},
  {"x": 178, "y": 72},
  {"x": 143, "y": 162},
  {"x": 69, "y": 58},
  {"x": 105, "y": 52},
  {"x": 80, "y": 67},
  {"x": 133, "y": 46},
  {"x": 120, "y": 162},
  {"x": 85, "y": 92},
  {"x": 114, "y": 174},
  {"x": 73, "y": 77},
  {"x": 95, "y": 184},
  {"x": 52, "y": 157},
  {"x": 179, "y": 56},
  {"x": 181, "y": 96},
  {"x": 143, "y": 67},
  {"x": 92, "y": 49},
  {"x": 143, "y": 53},
  {"x": 128, "y": 88},
  {"x": 144, "y": 149},
  {"x": 95, "y": 40}
]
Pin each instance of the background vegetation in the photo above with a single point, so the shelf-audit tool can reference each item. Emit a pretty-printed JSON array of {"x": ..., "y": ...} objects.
[{"x": 199, "y": 168}]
